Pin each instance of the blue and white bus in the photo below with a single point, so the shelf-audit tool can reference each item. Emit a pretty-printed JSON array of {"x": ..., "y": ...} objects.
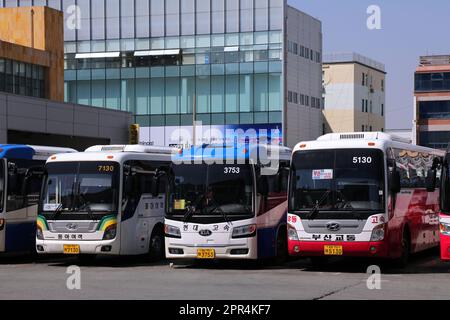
[
  {"x": 226, "y": 203},
  {"x": 21, "y": 172}
]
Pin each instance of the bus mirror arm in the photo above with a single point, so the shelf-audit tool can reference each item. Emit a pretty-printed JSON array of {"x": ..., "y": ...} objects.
[{"x": 431, "y": 180}]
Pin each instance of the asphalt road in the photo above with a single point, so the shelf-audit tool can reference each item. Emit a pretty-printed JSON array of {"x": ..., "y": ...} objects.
[{"x": 130, "y": 278}]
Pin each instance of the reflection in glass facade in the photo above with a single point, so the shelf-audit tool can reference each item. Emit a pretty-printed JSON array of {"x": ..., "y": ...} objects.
[{"x": 166, "y": 60}]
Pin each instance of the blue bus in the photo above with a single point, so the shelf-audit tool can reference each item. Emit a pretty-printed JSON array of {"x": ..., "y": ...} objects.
[
  {"x": 228, "y": 202},
  {"x": 21, "y": 173}
]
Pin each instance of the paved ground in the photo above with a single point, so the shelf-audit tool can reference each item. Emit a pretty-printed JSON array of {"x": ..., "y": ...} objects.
[{"x": 130, "y": 278}]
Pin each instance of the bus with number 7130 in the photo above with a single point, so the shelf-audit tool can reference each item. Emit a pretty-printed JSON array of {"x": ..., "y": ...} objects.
[
  {"x": 108, "y": 200},
  {"x": 364, "y": 194}
]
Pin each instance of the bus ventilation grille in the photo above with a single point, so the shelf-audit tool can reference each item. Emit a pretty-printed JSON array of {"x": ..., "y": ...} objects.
[{"x": 352, "y": 136}]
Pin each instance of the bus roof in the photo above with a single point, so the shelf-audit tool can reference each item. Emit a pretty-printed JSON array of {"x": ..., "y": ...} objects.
[
  {"x": 348, "y": 140},
  {"x": 235, "y": 152},
  {"x": 21, "y": 151},
  {"x": 131, "y": 148},
  {"x": 118, "y": 153}
]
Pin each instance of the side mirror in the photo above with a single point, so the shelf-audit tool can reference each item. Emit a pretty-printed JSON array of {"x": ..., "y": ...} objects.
[
  {"x": 263, "y": 186},
  {"x": 155, "y": 186},
  {"x": 394, "y": 181},
  {"x": 431, "y": 180},
  {"x": 128, "y": 188}
]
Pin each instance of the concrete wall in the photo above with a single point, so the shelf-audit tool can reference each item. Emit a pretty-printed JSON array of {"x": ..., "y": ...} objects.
[
  {"x": 42, "y": 29},
  {"x": 344, "y": 93},
  {"x": 303, "y": 76},
  {"x": 44, "y": 116}
]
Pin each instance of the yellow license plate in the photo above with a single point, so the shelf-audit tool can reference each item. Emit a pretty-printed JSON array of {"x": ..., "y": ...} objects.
[
  {"x": 333, "y": 250},
  {"x": 71, "y": 249},
  {"x": 206, "y": 254}
]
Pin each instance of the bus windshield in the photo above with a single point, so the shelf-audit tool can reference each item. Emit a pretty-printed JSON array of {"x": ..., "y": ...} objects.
[
  {"x": 330, "y": 183},
  {"x": 211, "y": 190},
  {"x": 80, "y": 187}
]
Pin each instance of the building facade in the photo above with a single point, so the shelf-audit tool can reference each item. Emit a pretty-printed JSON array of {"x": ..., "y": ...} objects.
[
  {"x": 32, "y": 108},
  {"x": 32, "y": 52},
  {"x": 432, "y": 102},
  {"x": 355, "y": 93},
  {"x": 173, "y": 63}
]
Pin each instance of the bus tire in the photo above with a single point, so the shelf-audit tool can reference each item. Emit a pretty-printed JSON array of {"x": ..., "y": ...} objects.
[
  {"x": 157, "y": 245},
  {"x": 402, "y": 261},
  {"x": 282, "y": 247}
]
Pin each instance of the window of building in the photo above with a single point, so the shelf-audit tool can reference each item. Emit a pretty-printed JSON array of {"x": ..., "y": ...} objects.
[
  {"x": 382, "y": 109},
  {"x": 289, "y": 96},
  {"x": 295, "y": 97},
  {"x": 362, "y": 105},
  {"x": 382, "y": 85},
  {"x": 363, "y": 79},
  {"x": 362, "y": 128}
]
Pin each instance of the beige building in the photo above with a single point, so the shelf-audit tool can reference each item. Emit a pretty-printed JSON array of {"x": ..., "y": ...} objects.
[{"x": 354, "y": 91}]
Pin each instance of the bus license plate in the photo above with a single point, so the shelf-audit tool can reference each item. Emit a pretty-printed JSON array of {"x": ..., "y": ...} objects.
[
  {"x": 206, "y": 254},
  {"x": 333, "y": 250},
  {"x": 71, "y": 249}
]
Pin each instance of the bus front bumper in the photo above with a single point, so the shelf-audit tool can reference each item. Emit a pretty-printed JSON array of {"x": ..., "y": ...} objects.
[
  {"x": 104, "y": 247},
  {"x": 350, "y": 249},
  {"x": 245, "y": 250},
  {"x": 445, "y": 247}
]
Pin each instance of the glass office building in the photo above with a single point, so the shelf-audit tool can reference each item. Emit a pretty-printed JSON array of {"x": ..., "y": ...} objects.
[{"x": 173, "y": 62}]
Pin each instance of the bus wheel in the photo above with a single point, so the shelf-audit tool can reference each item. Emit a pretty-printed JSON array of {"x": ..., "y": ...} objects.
[
  {"x": 282, "y": 248},
  {"x": 402, "y": 261},
  {"x": 156, "y": 248}
]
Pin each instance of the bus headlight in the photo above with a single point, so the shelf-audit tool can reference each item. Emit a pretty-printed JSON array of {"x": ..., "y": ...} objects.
[
  {"x": 377, "y": 233},
  {"x": 292, "y": 233},
  {"x": 39, "y": 234},
  {"x": 172, "y": 232},
  {"x": 110, "y": 232},
  {"x": 444, "y": 228},
  {"x": 244, "y": 231}
]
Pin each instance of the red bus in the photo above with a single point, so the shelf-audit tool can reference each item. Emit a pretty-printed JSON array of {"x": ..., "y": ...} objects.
[
  {"x": 444, "y": 218},
  {"x": 362, "y": 194}
]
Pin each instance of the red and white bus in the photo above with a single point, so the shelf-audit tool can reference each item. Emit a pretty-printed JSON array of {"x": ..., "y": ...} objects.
[
  {"x": 444, "y": 218},
  {"x": 362, "y": 194}
]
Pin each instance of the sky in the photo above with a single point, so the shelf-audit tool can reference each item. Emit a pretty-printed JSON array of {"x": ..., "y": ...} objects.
[{"x": 409, "y": 29}]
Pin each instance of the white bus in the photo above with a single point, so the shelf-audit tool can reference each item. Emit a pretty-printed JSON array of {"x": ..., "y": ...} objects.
[
  {"x": 21, "y": 171},
  {"x": 107, "y": 200},
  {"x": 362, "y": 194},
  {"x": 222, "y": 205}
]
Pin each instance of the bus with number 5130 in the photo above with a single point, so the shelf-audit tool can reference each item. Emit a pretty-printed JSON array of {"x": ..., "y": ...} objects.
[{"x": 364, "y": 194}]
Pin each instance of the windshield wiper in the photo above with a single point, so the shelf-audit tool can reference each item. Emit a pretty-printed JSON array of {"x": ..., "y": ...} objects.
[
  {"x": 218, "y": 208},
  {"x": 57, "y": 211},
  {"x": 312, "y": 213},
  {"x": 87, "y": 205},
  {"x": 346, "y": 203}
]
